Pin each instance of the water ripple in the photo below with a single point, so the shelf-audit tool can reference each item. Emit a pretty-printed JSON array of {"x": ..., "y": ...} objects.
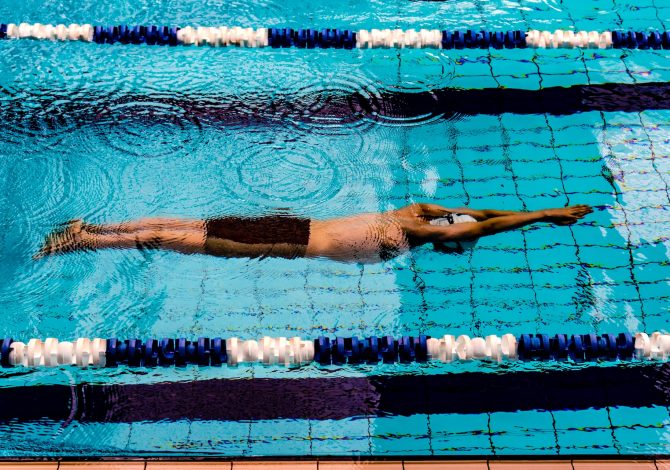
[
  {"x": 43, "y": 101},
  {"x": 288, "y": 169},
  {"x": 417, "y": 72},
  {"x": 332, "y": 100},
  {"x": 164, "y": 129}
]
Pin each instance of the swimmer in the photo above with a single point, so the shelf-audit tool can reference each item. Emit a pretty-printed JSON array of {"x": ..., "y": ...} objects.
[{"x": 362, "y": 238}]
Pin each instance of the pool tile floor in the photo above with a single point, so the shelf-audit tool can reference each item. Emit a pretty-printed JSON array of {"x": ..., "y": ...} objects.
[{"x": 347, "y": 465}]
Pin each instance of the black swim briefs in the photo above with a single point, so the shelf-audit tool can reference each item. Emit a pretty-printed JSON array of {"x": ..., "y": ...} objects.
[{"x": 266, "y": 230}]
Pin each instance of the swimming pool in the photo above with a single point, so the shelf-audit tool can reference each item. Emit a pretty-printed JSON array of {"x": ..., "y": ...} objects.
[{"x": 112, "y": 133}]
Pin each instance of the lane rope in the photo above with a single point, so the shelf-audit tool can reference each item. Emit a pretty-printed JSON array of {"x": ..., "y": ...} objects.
[
  {"x": 294, "y": 352},
  {"x": 337, "y": 38}
]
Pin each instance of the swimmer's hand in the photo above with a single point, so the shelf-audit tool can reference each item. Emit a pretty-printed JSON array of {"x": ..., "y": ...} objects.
[{"x": 567, "y": 215}]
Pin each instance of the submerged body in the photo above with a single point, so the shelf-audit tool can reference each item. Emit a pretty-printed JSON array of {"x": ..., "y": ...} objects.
[{"x": 369, "y": 237}]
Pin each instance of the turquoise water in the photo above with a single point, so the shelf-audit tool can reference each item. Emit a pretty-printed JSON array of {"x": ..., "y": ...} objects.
[{"x": 107, "y": 133}]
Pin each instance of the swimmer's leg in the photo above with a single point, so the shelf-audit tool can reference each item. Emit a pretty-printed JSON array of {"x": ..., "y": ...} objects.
[
  {"x": 186, "y": 238},
  {"x": 182, "y": 241},
  {"x": 149, "y": 223}
]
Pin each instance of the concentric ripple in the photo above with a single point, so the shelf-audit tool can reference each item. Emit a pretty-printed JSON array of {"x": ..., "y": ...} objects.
[
  {"x": 291, "y": 171},
  {"x": 41, "y": 100},
  {"x": 421, "y": 70},
  {"x": 336, "y": 100},
  {"x": 406, "y": 77},
  {"x": 124, "y": 297},
  {"x": 41, "y": 199},
  {"x": 317, "y": 94},
  {"x": 163, "y": 130}
]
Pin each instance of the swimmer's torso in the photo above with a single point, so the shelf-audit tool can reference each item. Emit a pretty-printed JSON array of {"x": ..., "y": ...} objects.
[
  {"x": 362, "y": 238},
  {"x": 365, "y": 238}
]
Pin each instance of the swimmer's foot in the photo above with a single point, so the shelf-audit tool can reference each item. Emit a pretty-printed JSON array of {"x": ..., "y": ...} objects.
[
  {"x": 70, "y": 238},
  {"x": 568, "y": 215}
]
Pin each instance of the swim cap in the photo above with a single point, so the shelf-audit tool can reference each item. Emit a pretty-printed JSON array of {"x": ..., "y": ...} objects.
[{"x": 457, "y": 246}]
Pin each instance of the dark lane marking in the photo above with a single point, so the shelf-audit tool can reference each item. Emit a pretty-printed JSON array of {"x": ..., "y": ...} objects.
[
  {"x": 635, "y": 385},
  {"x": 333, "y": 107}
]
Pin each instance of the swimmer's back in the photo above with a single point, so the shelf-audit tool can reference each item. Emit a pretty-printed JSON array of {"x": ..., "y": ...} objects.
[{"x": 361, "y": 238}]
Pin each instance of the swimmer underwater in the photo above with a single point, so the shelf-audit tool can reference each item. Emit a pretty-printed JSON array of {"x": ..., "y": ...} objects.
[{"x": 363, "y": 238}]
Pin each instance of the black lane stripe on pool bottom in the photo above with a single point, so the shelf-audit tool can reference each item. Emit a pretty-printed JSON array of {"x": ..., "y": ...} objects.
[
  {"x": 454, "y": 102},
  {"x": 342, "y": 397},
  {"x": 332, "y": 107}
]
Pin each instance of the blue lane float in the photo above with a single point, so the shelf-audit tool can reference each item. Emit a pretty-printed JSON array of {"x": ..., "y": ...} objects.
[
  {"x": 336, "y": 38},
  {"x": 294, "y": 352}
]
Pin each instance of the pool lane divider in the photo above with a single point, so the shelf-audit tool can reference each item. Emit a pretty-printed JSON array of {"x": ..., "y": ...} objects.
[
  {"x": 294, "y": 352},
  {"x": 338, "y": 38}
]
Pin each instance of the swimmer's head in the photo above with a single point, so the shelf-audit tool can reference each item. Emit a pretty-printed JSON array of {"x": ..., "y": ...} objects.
[{"x": 459, "y": 246}]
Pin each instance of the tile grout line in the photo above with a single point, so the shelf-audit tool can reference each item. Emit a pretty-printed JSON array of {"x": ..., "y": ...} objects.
[
  {"x": 633, "y": 461},
  {"x": 476, "y": 323},
  {"x": 509, "y": 167},
  {"x": 405, "y": 165},
  {"x": 615, "y": 441},
  {"x": 622, "y": 57},
  {"x": 643, "y": 127},
  {"x": 588, "y": 279}
]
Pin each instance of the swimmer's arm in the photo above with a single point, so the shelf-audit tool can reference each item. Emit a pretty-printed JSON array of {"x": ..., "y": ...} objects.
[
  {"x": 472, "y": 230},
  {"x": 492, "y": 213},
  {"x": 435, "y": 210},
  {"x": 481, "y": 215}
]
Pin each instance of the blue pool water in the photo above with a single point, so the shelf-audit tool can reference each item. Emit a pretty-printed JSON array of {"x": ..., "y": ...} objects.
[{"x": 109, "y": 133}]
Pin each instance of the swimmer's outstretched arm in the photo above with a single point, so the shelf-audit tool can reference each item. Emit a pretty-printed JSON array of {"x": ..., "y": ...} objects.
[
  {"x": 435, "y": 210},
  {"x": 472, "y": 230}
]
